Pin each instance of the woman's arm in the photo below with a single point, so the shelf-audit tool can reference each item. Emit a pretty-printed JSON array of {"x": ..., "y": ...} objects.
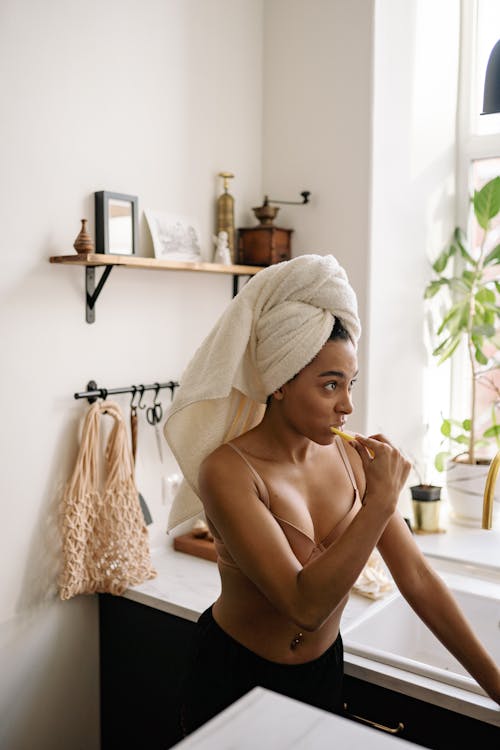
[
  {"x": 433, "y": 602},
  {"x": 308, "y": 594}
]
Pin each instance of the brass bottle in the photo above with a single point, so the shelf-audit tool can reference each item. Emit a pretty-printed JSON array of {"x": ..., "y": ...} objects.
[{"x": 225, "y": 214}]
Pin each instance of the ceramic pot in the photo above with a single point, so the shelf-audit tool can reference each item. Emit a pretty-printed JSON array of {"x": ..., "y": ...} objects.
[
  {"x": 465, "y": 485},
  {"x": 84, "y": 243}
]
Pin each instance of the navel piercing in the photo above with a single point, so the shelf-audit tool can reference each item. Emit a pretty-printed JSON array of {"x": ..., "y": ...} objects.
[{"x": 296, "y": 641}]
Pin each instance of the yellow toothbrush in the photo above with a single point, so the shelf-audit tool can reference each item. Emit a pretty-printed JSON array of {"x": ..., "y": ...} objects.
[{"x": 348, "y": 437}]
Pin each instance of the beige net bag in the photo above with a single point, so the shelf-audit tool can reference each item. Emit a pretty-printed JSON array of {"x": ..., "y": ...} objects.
[{"x": 105, "y": 540}]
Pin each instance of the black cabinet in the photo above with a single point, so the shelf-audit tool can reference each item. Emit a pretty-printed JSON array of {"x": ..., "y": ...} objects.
[
  {"x": 424, "y": 723},
  {"x": 143, "y": 658}
]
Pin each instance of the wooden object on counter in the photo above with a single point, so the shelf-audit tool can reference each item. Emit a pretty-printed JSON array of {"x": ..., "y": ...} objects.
[
  {"x": 264, "y": 245},
  {"x": 192, "y": 545}
]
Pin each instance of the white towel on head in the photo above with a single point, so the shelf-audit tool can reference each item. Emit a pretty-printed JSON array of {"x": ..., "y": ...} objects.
[{"x": 269, "y": 332}]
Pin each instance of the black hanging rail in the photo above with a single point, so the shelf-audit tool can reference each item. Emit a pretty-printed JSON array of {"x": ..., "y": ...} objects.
[{"x": 93, "y": 392}]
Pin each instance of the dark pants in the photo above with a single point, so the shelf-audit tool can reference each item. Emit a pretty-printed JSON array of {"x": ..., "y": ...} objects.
[{"x": 222, "y": 670}]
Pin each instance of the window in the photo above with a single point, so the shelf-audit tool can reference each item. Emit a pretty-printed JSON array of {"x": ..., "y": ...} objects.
[
  {"x": 478, "y": 136},
  {"x": 487, "y": 34},
  {"x": 478, "y": 160}
]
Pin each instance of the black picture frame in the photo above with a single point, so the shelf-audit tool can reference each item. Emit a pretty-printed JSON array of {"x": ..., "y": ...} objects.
[{"x": 106, "y": 240}]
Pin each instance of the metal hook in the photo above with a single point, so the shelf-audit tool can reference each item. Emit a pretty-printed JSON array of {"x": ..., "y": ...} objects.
[
  {"x": 142, "y": 388},
  {"x": 154, "y": 414},
  {"x": 133, "y": 407},
  {"x": 104, "y": 393},
  {"x": 172, "y": 387}
]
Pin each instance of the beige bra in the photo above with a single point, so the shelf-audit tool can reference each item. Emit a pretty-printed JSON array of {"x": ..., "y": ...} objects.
[{"x": 303, "y": 545}]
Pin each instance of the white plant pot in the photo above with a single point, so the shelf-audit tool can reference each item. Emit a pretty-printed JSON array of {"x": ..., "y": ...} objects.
[{"x": 465, "y": 484}]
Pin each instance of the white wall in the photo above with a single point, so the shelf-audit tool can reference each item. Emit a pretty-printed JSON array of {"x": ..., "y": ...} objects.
[
  {"x": 153, "y": 98},
  {"x": 149, "y": 98},
  {"x": 360, "y": 108},
  {"x": 317, "y": 134},
  {"x": 412, "y": 213}
]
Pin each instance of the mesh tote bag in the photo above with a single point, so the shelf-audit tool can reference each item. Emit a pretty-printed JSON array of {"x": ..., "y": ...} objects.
[{"x": 105, "y": 544}]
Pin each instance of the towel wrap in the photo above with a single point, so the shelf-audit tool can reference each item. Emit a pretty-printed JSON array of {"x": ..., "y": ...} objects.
[{"x": 268, "y": 333}]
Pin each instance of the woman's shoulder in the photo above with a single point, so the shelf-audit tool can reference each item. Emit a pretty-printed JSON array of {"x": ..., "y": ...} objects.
[
  {"x": 223, "y": 462},
  {"x": 220, "y": 472},
  {"x": 217, "y": 460}
]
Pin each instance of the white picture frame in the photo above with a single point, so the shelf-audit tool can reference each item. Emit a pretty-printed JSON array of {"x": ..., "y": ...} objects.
[{"x": 175, "y": 237}]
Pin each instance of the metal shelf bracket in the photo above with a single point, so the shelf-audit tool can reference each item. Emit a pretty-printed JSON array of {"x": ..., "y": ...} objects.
[{"x": 92, "y": 291}]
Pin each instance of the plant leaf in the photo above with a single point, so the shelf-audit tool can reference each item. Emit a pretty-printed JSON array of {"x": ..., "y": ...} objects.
[
  {"x": 440, "y": 460},
  {"x": 442, "y": 260},
  {"x": 469, "y": 277},
  {"x": 493, "y": 256},
  {"x": 483, "y": 330},
  {"x": 464, "y": 283},
  {"x": 454, "y": 313},
  {"x": 480, "y": 357},
  {"x": 461, "y": 241},
  {"x": 463, "y": 322},
  {"x": 446, "y": 428},
  {"x": 454, "y": 341},
  {"x": 493, "y": 431},
  {"x": 434, "y": 287},
  {"x": 487, "y": 202},
  {"x": 485, "y": 295}
]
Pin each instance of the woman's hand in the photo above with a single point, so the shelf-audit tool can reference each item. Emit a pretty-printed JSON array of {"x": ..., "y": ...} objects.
[{"x": 386, "y": 470}]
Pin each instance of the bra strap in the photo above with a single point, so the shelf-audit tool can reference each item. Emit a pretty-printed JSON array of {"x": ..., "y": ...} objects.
[
  {"x": 347, "y": 463},
  {"x": 264, "y": 494}
]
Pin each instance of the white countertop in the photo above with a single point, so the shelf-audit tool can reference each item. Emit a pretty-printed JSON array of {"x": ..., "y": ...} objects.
[
  {"x": 465, "y": 545},
  {"x": 185, "y": 586},
  {"x": 273, "y": 722}
]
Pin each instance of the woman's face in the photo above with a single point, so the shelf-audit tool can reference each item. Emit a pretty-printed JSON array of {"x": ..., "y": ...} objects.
[{"x": 320, "y": 395}]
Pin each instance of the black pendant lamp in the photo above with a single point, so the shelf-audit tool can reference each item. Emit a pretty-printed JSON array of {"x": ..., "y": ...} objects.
[{"x": 491, "y": 99}]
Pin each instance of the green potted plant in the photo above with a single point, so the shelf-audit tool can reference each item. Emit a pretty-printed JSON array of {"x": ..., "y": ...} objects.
[{"x": 467, "y": 283}]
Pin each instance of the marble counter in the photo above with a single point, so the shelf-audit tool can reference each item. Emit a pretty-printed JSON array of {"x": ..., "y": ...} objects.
[
  {"x": 185, "y": 585},
  {"x": 464, "y": 545},
  {"x": 272, "y": 722}
]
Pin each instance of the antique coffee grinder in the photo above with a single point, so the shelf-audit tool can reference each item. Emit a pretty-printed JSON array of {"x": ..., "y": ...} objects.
[{"x": 266, "y": 244}]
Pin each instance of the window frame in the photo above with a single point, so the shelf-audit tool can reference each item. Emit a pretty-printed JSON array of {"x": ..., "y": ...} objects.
[{"x": 470, "y": 147}]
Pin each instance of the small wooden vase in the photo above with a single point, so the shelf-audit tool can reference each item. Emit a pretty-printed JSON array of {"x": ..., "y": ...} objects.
[{"x": 84, "y": 243}]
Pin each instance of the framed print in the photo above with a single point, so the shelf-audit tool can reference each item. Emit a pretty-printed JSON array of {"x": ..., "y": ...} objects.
[
  {"x": 174, "y": 237},
  {"x": 116, "y": 223}
]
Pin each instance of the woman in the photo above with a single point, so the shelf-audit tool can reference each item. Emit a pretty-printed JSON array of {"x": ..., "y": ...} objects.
[{"x": 295, "y": 512}]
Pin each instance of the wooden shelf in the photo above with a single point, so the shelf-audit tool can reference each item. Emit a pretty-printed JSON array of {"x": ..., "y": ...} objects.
[
  {"x": 133, "y": 261},
  {"x": 91, "y": 261}
]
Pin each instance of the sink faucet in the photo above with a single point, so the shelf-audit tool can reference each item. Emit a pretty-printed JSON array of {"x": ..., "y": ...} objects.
[{"x": 489, "y": 492}]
